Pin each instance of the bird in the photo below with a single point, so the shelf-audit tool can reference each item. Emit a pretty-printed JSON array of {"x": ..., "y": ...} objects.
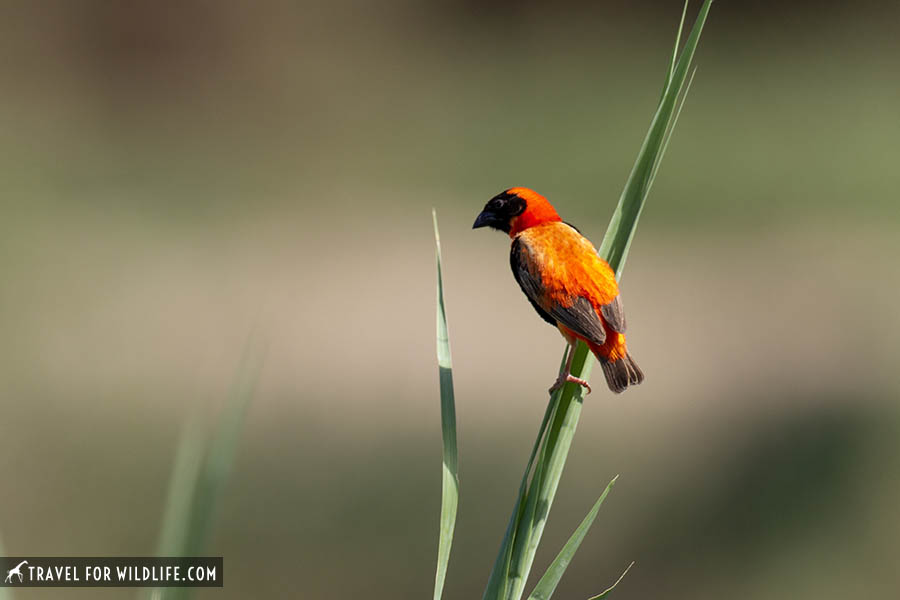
[{"x": 567, "y": 282}]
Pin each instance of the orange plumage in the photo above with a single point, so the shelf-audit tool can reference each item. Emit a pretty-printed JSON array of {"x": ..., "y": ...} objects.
[{"x": 565, "y": 279}]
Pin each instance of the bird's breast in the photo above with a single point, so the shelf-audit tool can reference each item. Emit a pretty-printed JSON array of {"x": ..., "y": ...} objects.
[{"x": 567, "y": 264}]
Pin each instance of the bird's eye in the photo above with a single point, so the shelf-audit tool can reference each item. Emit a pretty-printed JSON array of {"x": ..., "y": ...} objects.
[{"x": 517, "y": 206}]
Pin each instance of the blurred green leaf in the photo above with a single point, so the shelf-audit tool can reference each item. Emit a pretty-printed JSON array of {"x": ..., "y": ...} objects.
[
  {"x": 547, "y": 584},
  {"x": 182, "y": 487},
  {"x": 450, "y": 469},
  {"x": 201, "y": 471}
]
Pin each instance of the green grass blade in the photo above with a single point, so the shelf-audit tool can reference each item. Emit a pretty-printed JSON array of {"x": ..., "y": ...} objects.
[
  {"x": 547, "y": 584},
  {"x": 665, "y": 145},
  {"x": 499, "y": 584},
  {"x": 530, "y": 517},
  {"x": 620, "y": 232},
  {"x": 567, "y": 411},
  {"x": 607, "y": 591},
  {"x": 450, "y": 469},
  {"x": 201, "y": 471},
  {"x": 499, "y": 579},
  {"x": 675, "y": 48}
]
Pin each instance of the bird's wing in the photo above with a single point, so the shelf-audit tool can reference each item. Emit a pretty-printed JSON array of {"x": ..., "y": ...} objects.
[
  {"x": 550, "y": 295},
  {"x": 614, "y": 315}
]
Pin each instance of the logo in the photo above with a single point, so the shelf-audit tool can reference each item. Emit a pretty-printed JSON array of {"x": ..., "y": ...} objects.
[
  {"x": 112, "y": 571},
  {"x": 17, "y": 570}
]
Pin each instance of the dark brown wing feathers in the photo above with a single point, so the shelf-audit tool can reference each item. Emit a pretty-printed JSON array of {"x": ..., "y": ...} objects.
[
  {"x": 580, "y": 317},
  {"x": 528, "y": 284},
  {"x": 614, "y": 315}
]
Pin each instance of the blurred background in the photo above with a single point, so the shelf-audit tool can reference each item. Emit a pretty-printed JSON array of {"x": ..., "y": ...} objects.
[{"x": 177, "y": 174}]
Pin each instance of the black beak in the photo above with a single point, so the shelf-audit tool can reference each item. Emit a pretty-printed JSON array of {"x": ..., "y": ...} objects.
[{"x": 487, "y": 219}]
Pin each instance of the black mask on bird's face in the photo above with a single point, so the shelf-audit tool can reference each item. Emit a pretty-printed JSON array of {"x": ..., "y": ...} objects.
[{"x": 499, "y": 211}]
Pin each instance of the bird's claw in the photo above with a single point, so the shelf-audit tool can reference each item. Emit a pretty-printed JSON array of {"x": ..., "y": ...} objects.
[{"x": 570, "y": 379}]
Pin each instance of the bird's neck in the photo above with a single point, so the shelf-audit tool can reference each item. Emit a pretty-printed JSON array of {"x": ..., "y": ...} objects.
[{"x": 531, "y": 218}]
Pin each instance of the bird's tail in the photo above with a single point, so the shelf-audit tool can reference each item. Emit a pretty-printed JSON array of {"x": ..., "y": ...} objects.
[{"x": 621, "y": 373}]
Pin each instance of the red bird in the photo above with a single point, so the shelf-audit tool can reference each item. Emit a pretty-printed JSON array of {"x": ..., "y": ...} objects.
[{"x": 566, "y": 281}]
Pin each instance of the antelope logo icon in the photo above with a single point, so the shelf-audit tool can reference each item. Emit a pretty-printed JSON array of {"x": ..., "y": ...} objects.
[{"x": 17, "y": 570}]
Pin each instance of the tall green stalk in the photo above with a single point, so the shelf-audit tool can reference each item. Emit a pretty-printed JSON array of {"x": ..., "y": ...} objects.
[
  {"x": 450, "y": 471},
  {"x": 541, "y": 479}
]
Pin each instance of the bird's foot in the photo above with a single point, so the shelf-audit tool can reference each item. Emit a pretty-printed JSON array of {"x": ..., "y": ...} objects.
[{"x": 561, "y": 381}]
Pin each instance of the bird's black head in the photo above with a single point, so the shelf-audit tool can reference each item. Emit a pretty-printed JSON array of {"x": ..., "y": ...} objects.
[{"x": 500, "y": 210}]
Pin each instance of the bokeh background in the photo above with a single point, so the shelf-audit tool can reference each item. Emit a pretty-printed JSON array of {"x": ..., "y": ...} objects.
[{"x": 177, "y": 174}]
